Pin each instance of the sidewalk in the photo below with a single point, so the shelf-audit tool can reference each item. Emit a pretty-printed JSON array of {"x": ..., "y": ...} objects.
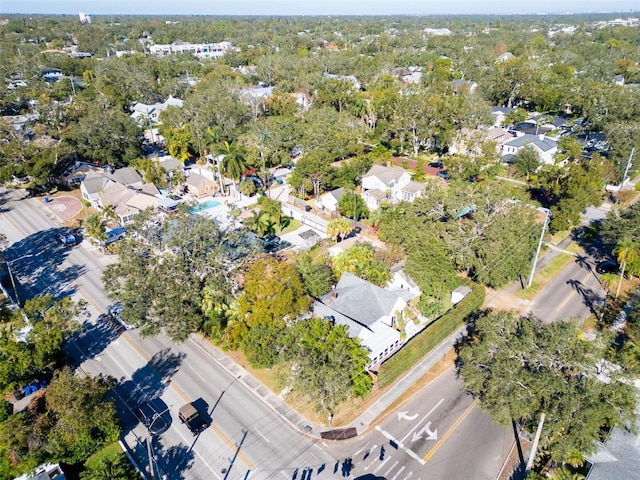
[{"x": 364, "y": 421}]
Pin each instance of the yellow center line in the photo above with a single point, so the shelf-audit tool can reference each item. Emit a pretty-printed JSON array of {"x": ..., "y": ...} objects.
[
  {"x": 572, "y": 294},
  {"x": 453, "y": 427},
  {"x": 229, "y": 443}
]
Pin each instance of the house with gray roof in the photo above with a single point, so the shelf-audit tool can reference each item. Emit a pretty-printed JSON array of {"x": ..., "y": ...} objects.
[
  {"x": 147, "y": 115},
  {"x": 388, "y": 183},
  {"x": 369, "y": 312},
  {"x": 331, "y": 199},
  {"x": 619, "y": 455},
  {"x": 544, "y": 146},
  {"x": 92, "y": 185}
]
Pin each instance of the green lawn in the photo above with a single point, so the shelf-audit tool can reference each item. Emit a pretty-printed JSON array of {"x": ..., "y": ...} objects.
[{"x": 294, "y": 225}]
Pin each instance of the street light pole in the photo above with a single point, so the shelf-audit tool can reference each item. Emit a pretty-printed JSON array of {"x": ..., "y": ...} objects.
[
  {"x": 535, "y": 259},
  {"x": 13, "y": 282}
]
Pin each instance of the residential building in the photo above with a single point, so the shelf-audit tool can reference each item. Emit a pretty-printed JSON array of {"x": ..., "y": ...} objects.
[
  {"x": 199, "y": 50},
  {"x": 199, "y": 185},
  {"x": 384, "y": 183},
  {"x": 331, "y": 199},
  {"x": 545, "y": 147},
  {"x": 147, "y": 115},
  {"x": 459, "y": 86},
  {"x": 46, "y": 471},
  {"x": 349, "y": 78},
  {"x": 369, "y": 312},
  {"x": 499, "y": 114},
  {"x": 73, "y": 172}
]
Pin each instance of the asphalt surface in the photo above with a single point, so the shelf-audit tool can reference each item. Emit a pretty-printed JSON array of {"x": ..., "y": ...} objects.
[{"x": 253, "y": 433}]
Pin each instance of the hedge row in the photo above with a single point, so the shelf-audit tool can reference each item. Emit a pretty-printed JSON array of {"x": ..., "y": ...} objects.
[{"x": 430, "y": 337}]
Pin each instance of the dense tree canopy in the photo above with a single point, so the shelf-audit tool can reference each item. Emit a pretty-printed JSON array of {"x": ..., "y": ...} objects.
[
  {"x": 68, "y": 423},
  {"x": 520, "y": 367},
  {"x": 51, "y": 321},
  {"x": 164, "y": 290}
]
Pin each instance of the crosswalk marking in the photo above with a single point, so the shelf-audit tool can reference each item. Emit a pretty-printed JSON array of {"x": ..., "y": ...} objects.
[
  {"x": 381, "y": 465},
  {"x": 398, "y": 474},
  {"x": 392, "y": 467}
]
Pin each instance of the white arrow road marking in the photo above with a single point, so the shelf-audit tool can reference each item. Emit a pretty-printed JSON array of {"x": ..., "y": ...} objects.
[
  {"x": 422, "y": 420},
  {"x": 431, "y": 435},
  {"x": 404, "y": 416}
]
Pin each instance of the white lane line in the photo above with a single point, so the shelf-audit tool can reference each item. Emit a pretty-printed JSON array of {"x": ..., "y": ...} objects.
[
  {"x": 363, "y": 447},
  {"x": 398, "y": 474},
  {"x": 422, "y": 420},
  {"x": 392, "y": 467},
  {"x": 381, "y": 465},
  {"x": 260, "y": 433},
  {"x": 408, "y": 476}
]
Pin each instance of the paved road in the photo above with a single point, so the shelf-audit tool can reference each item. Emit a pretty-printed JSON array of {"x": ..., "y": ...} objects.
[
  {"x": 248, "y": 437},
  {"x": 575, "y": 292},
  {"x": 438, "y": 434}
]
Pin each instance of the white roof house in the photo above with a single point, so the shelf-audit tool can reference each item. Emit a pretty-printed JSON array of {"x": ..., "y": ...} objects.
[
  {"x": 149, "y": 114},
  {"x": 369, "y": 312},
  {"x": 381, "y": 183},
  {"x": 330, "y": 199},
  {"x": 545, "y": 147}
]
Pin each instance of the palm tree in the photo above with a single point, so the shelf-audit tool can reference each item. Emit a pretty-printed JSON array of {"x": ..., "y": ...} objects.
[
  {"x": 338, "y": 227},
  {"x": 247, "y": 187},
  {"x": 627, "y": 251},
  {"x": 233, "y": 164}
]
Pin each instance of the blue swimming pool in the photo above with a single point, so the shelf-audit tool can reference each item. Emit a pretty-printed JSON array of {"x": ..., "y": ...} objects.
[{"x": 204, "y": 206}]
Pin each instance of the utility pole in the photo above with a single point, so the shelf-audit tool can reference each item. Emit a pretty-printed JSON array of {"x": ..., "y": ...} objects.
[
  {"x": 547, "y": 212},
  {"x": 626, "y": 170},
  {"x": 534, "y": 447}
]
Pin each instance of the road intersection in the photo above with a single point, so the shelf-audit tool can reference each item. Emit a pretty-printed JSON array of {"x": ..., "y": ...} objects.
[{"x": 439, "y": 433}]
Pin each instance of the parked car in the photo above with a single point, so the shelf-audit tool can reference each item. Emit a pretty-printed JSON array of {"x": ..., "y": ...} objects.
[
  {"x": 152, "y": 415},
  {"x": 443, "y": 174},
  {"x": 113, "y": 236},
  {"x": 436, "y": 165},
  {"x": 115, "y": 312},
  {"x": 66, "y": 238},
  {"x": 608, "y": 266},
  {"x": 195, "y": 421}
]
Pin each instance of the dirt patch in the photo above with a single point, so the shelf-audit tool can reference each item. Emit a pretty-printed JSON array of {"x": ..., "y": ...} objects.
[{"x": 503, "y": 300}]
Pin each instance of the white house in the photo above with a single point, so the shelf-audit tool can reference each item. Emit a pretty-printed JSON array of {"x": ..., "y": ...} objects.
[
  {"x": 402, "y": 285},
  {"x": 545, "y": 146},
  {"x": 383, "y": 183},
  {"x": 147, "y": 115},
  {"x": 349, "y": 78},
  {"x": 369, "y": 312},
  {"x": 331, "y": 199},
  {"x": 199, "y": 50},
  {"x": 499, "y": 114}
]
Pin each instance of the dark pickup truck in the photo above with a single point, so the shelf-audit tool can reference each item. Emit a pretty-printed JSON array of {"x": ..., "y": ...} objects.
[{"x": 196, "y": 422}]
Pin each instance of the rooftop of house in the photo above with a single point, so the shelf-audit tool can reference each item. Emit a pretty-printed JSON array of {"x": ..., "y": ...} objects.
[
  {"x": 359, "y": 300},
  {"x": 95, "y": 182},
  {"x": 385, "y": 174},
  {"x": 126, "y": 176},
  {"x": 414, "y": 187},
  {"x": 337, "y": 193},
  {"x": 545, "y": 144}
]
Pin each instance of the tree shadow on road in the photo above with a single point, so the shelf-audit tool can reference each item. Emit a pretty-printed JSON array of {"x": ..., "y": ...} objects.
[
  {"x": 146, "y": 383},
  {"x": 174, "y": 461},
  {"x": 34, "y": 266},
  {"x": 590, "y": 298},
  {"x": 91, "y": 340}
]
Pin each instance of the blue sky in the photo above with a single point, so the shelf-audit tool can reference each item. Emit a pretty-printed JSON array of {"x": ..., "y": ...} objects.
[{"x": 306, "y": 7}]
